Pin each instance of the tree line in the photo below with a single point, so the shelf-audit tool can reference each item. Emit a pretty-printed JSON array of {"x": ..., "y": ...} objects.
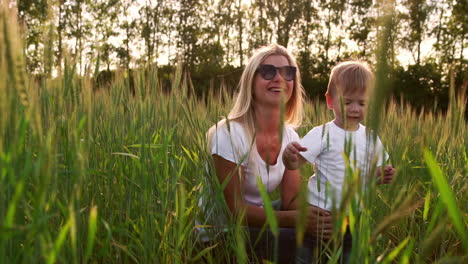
[{"x": 212, "y": 39}]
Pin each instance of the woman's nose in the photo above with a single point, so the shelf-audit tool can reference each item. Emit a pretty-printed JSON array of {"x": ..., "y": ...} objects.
[{"x": 278, "y": 77}]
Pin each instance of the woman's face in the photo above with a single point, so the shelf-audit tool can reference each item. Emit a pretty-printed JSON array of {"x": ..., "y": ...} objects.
[{"x": 269, "y": 92}]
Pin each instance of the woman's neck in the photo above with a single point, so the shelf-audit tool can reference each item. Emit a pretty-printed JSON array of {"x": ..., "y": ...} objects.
[{"x": 267, "y": 119}]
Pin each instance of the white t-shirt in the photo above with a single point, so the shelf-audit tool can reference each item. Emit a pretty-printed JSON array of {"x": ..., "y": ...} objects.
[
  {"x": 326, "y": 147},
  {"x": 233, "y": 145}
]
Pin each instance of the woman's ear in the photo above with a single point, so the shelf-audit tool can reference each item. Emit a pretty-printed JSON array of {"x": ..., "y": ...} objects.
[{"x": 329, "y": 101}]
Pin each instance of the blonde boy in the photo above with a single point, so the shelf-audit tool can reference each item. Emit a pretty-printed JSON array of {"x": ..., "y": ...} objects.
[{"x": 325, "y": 146}]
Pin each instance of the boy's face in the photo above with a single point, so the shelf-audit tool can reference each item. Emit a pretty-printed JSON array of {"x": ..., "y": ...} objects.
[{"x": 354, "y": 109}]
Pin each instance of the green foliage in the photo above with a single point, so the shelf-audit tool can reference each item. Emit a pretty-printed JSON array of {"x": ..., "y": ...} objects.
[{"x": 421, "y": 85}]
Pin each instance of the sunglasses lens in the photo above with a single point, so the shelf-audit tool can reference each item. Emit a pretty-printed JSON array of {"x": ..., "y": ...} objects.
[
  {"x": 268, "y": 72},
  {"x": 288, "y": 72}
]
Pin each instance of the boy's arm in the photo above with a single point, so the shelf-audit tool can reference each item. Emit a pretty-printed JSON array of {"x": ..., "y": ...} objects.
[
  {"x": 385, "y": 175},
  {"x": 291, "y": 157}
]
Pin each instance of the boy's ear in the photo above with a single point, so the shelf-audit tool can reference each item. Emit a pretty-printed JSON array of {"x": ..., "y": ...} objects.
[{"x": 329, "y": 101}]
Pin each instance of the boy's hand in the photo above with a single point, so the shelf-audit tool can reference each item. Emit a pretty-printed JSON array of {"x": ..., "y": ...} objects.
[
  {"x": 388, "y": 174},
  {"x": 291, "y": 157}
]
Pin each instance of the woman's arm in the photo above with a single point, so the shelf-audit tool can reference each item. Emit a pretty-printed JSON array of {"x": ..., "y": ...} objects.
[
  {"x": 290, "y": 189},
  {"x": 254, "y": 216},
  {"x": 318, "y": 221}
]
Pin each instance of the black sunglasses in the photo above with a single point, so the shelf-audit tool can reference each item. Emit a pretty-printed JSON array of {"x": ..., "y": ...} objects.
[{"x": 268, "y": 72}]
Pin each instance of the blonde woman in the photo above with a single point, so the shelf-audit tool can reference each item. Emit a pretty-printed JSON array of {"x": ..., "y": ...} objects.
[{"x": 249, "y": 145}]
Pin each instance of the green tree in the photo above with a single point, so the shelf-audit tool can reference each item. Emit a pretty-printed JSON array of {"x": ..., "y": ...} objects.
[
  {"x": 309, "y": 23},
  {"x": 240, "y": 29},
  {"x": 361, "y": 24},
  {"x": 33, "y": 15},
  {"x": 331, "y": 12},
  {"x": 61, "y": 24},
  {"x": 421, "y": 85},
  {"x": 209, "y": 52},
  {"x": 188, "y": 30},
  {"x": 283, "y": 16},
  {"x": 106, "y": 12},
  {"x": 260, "y": 31},
  {"x": 152, "y": 24},
  {"x": 388, "y": 18},
  {"x": 417, "y": 16},
  {"x": 77, "y": 29},
  {"x": 450, "y": 44}
]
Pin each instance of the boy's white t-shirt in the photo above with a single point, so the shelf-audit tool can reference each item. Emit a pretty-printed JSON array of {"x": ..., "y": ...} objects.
[
  {"x": 326, "y": 147},
  {"x": 234, "y": 145}
]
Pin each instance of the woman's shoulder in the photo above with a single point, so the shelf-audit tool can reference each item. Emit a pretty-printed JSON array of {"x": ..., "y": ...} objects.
[
  {"x": 290, "y": 128},
  {"x": 227, "y": 127},
  {"x": 290, "y": 133},
  {"x": 227, "y": 139},
  {"x": 227, "y": 131}
]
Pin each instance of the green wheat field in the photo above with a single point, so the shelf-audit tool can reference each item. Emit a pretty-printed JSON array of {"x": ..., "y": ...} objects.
[{"x": 108, "y": 177}]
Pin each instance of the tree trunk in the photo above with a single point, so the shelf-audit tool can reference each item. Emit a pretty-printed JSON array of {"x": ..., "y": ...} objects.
[{"x": 240, "y": 28}]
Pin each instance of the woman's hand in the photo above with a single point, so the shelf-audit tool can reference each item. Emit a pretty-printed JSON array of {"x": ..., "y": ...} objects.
[
  {"x": 319, "y": 224},
  {"x": 388, "y": 174},
  {"x": 291, "y": 157}
]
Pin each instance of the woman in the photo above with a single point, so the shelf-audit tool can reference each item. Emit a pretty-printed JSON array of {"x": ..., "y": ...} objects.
[{"x": 249, "y": 145}]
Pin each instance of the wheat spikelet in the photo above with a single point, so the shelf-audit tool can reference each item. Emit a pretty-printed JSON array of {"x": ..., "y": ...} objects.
[{"x": 15, "y": 66}]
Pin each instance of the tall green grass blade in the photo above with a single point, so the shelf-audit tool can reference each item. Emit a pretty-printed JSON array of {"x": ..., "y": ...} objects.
[
  {"x": 202, "y": 253},
  {"x": 427, "y": 201},
  {"x": 73, "y": 233},
  {"x": 271, "y": 217},
  {"x": 406, "y": 255},
  {"x": 270, "y": 213},
  {"x": 10, "y": 216},
  {"x": 394, "y": 253},
  {"x": 59, "y": 242},
  {"x": 447, "y": 197},
  {"x": 92, "y": 229}
]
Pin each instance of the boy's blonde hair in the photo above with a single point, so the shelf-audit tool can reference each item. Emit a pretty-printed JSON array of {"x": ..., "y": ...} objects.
[
  {"x": 350, "y": 77},
  {"x": 243, "y": 111}
]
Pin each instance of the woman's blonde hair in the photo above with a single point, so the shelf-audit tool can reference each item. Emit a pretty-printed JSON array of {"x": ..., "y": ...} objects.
[{"x": 243, "y": 110}]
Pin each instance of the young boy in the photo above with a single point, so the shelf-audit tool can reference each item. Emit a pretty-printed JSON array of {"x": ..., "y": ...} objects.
[{"x": 326, "y": 146}]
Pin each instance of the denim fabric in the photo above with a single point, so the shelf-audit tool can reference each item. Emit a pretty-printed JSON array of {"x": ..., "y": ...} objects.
[
  {"x": 263, "y": 245},
  {"x": 347, "y": 246},
  {"x": 263, "y": 242}
]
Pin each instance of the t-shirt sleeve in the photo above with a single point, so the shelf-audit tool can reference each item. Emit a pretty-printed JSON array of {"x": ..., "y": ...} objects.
[
  {"x": 313, "y": 142},
  {"x": 381, "y": 153},
  {"x": 229, "y": 143},
  {"x": 291, "y": 135}
]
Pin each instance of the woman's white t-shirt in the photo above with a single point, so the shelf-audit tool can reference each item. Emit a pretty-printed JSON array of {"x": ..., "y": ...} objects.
[
  {"x": 231, "y": 142},
  {"x": 327, "y": 146}
]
